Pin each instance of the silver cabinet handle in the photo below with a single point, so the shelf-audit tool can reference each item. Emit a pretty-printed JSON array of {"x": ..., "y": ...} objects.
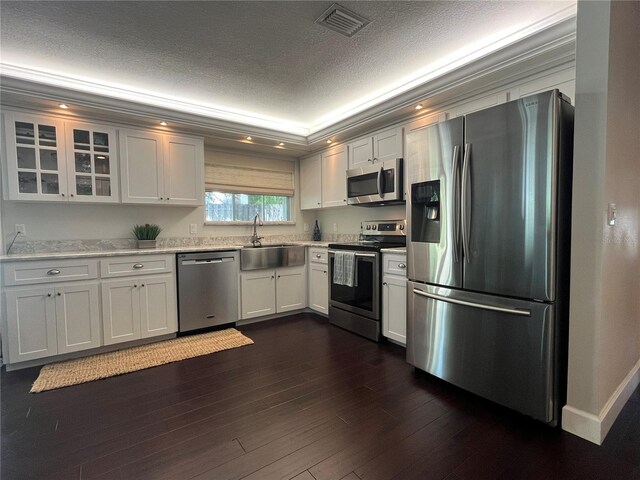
[
  {"x": 272, "y": 277},
  {"x": 59, "y": 294},
  {"x": 402, "y": 265},
  {"x": 135, "y": 285},
  {"x": 138, "y": 265},
  {"x": 384, "y": 283},
  {"x": 524, "y": 313},
  {"x": 48, "y": 294},
  {"x": 53, "y": 271},
  {"x": 142, "y": 285}
]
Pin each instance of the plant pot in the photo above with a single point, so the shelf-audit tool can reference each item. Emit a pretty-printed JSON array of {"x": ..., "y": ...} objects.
[{"x": 147, "y": 243}]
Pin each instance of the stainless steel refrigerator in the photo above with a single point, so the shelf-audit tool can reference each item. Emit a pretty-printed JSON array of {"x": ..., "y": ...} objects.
[{"x": 488, "y": 218}]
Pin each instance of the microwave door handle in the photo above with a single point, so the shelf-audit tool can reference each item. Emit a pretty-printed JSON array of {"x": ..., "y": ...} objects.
[{"x": 381, "y": 182}]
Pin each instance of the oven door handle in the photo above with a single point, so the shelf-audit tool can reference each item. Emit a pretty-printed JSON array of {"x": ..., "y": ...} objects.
[{"x": 357, "y": 254}]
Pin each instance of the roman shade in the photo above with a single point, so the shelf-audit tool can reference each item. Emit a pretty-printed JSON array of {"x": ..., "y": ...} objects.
[{"x": 234, "y": 173}]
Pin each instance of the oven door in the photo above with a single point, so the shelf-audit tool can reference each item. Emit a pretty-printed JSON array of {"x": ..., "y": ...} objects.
[
  {"x": 375, "y": 183},
  {"x": 364, "y": 297}
]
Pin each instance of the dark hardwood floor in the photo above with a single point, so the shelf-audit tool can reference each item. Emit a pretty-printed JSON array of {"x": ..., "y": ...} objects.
[{"x": 307, "y": 401}]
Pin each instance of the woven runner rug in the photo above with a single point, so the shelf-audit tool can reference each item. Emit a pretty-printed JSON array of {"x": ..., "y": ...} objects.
[{"x": 87, "y": 369}]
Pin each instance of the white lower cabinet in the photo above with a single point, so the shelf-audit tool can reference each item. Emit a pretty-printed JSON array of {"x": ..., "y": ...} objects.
[
  {"x": 138, "y": 307},
  {"x": 394, "y": 298},
  {"x": 318, "y": 280},
  {"x": 291, "y": 289},
  {"x": 48, "y": 320},
  {"x": 78, "y": 317},
  {"x": 258, "y": 293},
  {"x": 265, "y": 292}
]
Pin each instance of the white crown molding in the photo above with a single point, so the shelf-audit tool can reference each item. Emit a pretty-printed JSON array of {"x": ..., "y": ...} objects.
[
  {"x": 537, "y": 52},
  {"x": 94, "y": 89}
]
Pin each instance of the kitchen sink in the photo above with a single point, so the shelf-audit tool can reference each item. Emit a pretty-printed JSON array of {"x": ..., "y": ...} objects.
[{"x": 271, "y": 256}]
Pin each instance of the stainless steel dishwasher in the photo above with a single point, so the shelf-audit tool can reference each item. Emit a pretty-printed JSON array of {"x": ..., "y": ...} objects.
[{"x": 207, "y": 289}]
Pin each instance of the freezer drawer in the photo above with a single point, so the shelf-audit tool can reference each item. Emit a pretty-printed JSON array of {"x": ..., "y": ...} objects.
[{"x": 500, "y": 349}]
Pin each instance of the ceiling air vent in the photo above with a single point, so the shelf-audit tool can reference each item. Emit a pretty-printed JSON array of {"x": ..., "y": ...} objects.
[{"x": 343, "y": 21}]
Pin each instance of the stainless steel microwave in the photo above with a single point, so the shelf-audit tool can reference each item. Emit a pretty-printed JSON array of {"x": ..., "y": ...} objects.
[{"x": 377, "y": 184}]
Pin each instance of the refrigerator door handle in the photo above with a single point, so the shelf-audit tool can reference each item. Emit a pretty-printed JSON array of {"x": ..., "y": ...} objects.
[
  {"x": 381, "y": 182},
  {"x": 456, "y": 204},
  {"x": 466, "y": 195},
  {"x": 514, "y": 311}
]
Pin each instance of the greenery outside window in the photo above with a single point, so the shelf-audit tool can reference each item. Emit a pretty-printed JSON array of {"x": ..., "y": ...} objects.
[{"x": 223, "y": 207}]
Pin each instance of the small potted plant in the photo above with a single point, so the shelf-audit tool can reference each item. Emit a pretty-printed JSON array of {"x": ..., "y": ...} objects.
[{"x": 146, "y": 235}]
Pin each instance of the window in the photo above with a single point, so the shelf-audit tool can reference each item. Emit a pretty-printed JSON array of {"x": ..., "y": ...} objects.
[{"x": 241, "y": 207}]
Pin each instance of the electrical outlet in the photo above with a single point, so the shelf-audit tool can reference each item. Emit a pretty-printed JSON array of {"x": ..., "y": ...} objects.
[
  {"x": 193, "y": 229},
  {"x": 306, "y": 227},
  {"x": 21, "y": 228},
  {"x": 335, "y": 227}
]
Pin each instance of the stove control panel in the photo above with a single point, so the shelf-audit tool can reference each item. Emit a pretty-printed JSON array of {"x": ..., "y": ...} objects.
[{"x": 383, "y": 227}]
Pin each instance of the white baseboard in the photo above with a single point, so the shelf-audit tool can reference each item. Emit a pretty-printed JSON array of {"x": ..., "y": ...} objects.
[{"x": 595, "y": 427}]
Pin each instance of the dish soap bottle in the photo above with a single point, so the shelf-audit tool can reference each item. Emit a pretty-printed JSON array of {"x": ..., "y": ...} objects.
[{"x": 316, "y": 233}]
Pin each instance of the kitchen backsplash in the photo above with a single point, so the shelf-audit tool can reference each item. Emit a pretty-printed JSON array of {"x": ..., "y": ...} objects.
[{"x": 65, "y": 246}]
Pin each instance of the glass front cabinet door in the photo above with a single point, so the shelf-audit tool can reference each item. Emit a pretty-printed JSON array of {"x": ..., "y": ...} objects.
[
  {"x": 92, "y": 165},
  {"x": 36, "y": 165},
  {"x": 52, "y": 160}
]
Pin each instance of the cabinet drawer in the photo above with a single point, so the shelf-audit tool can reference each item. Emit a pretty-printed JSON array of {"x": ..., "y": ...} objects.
[
  {"x": 47, "y": 271},
  {"x": 147, "y": 264},
  {"x": 318, "y": 255},
  {"x": 396, "y": 264}
]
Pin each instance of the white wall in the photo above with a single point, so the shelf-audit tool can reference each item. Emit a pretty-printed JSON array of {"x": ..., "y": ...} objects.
[
  {"x": 604, "y": 337},
  {"x": 347, "y": 219}
]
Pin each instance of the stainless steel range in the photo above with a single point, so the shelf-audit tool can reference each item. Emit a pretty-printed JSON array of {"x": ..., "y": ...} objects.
[{"x": 355, "y": 276}]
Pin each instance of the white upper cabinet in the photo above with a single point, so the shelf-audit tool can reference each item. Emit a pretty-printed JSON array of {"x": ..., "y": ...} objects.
[
  {"x": 564, "y": 80},
  {"x": 35, "y": 155},
  {"x": 52, "y": 160},
  {"x": 378, "y": 147},
  {"x": 184, "y": 170},
  {"x": 92, "y": 163},
  {"x": 142, "y": 166},
  {"x": 361, "y": 152},
  {"x": 161, "y": 169},
  {"x": 334, "y": 177},
  {"x": 310, "y": 182}
]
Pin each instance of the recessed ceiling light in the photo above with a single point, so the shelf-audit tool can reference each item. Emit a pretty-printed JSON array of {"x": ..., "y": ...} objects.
[
  {"x": 64, "y": 106},
  {"x": 419, "y": 106},
  {"x": 329, "y": 141},
  {"x": 281, "y": 144},
  {"x": 163, "y": 123},
  {"x": 249, "y": 138}
]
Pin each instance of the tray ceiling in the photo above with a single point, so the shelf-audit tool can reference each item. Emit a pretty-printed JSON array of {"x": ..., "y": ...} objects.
[{"x": 259, "y": 63}]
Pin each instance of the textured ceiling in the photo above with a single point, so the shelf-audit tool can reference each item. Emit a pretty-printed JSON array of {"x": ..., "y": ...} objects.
[{"x": 261, "y": 59}]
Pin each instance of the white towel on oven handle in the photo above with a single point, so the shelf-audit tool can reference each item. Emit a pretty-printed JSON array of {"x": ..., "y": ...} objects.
[{"x": 345, "y": 269}]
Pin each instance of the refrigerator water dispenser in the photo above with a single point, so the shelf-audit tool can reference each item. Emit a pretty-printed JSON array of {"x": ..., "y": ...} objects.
[{"x": 425, "y": 212}]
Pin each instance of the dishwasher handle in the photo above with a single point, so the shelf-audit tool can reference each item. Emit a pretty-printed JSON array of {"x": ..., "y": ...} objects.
[{"x": 207, "y": 261}]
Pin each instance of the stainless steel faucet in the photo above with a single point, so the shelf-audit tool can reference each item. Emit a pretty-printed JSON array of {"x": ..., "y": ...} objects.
[{"x": 255, "y": 239}]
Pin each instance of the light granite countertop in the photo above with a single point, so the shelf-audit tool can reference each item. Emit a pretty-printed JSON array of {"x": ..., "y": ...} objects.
[{"x": 135, "y": 251}]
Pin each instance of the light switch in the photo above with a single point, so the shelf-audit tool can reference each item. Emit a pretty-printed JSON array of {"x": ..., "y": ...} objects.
[
  {"x": 611, "y": 216},
  {"x": 193, "y": 228},
  {"x": 306, "y": 227}
]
